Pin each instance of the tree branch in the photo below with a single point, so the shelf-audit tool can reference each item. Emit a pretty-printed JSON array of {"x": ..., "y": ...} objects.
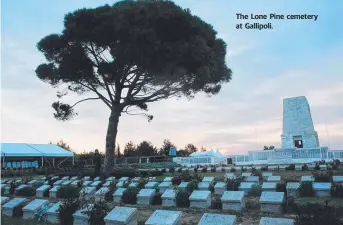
[
  {"x": 92, "y": 88},
  {"x": 86, "y": 99}
]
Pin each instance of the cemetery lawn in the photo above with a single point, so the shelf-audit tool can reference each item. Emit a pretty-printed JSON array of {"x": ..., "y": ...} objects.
[
  {"x": 5, "y": 220},
  {"x": 333, "y": 200}
]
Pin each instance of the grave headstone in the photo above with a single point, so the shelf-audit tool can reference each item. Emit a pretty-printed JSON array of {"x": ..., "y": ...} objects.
[
  {"x": 200, "y": 199},
  {"x": 151, "y": 185},
  {"x": 97, "y": 179},
  {"x": 120, "y": 184},
  {"x": 298, "y": 167},
  {"x": 86, "y": 183},
  {"x": 276, "y": 179},
  {"x": 233, "y": 200},
  {"x": 269, "y": 186},
  {"x": 247, "y": 174},
  {"x": 74, "y": 178},
  {"x": 30, "y": 209},
  {"x": 254, "y": 179},
  {"x": 337, "y": 179},
  {"x": 164, "y": 217},
  {"x": 75, "y": 183},
  {"x": 95, "y": 183},
  {"x": 118, "y": 194},
  {"x": 307, "y": 178},
  {"x": 136, "y": 179},
  {"x": 219, "y": 188},
  {"x": 40, "y": 191},
  {"x": 276, "y": 221},
  {"x": 322, "y": 189},
  {"x": 271, "y": 202},
  {"x": 3, "y": 186},
  {"x": 164, "y": 186},
  {"x": 183, "y": 185},
  {"x": 122, "y": 216},
  {"x": 81, "y": 216},
  {"x": 58, "y": 183},
  {"x": 4, "y": 200},
  {"x": 208, "y": 179},
  {"x": 168, "y": 198},
  {"x": 53, "y": 192},
  {"x": 32, "y": 183},
  {"x": 292, "y": 189},
  {"x": 204, "y": 186},
  {"x": 217, "y": 219},
  {"x": 133, "y": 184},
  {"x": 100, "y": 194},
  {"x": 52, "y": 213},
  {"x": 107, "y": 184},
  {"x": 86, "y": 178},
  {"x": 7, "y": 208},
  {"x": 152, "y": 179},
  {"x": 266, "y": 175},
  {"x": 230, "y": 176},
  {"x": 66, "y": 183},
  {"x": 112, "y": 179},
  {"x": 283, "y": 167},
  {"x": 167, "y": 179},
  {"x": 144, "y": 197},
  {"x": 65, "y": 178},
  {"x": 124, "y": 179},
  {"x": 246, "y": 187}
]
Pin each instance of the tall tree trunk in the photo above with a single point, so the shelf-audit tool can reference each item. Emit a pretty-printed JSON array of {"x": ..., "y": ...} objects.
[{"x": 111, "y": 136}]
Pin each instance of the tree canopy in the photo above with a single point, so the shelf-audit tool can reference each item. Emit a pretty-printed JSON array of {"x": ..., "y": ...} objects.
[{"x": 130, "y": 54}]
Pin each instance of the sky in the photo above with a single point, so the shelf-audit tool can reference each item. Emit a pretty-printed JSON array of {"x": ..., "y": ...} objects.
[{"x": 296, "y": 58}]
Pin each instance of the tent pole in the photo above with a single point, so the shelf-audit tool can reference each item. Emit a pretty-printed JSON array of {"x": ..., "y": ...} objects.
[{"x": 42, "y": 161}]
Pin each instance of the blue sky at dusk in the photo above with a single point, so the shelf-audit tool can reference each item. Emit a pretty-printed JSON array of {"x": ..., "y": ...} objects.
[{"x": 296, "y": 58}]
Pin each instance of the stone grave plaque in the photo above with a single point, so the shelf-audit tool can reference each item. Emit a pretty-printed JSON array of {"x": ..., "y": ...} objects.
[
  {"x": 298, "y": 167},
  {"x": 52, "y": 213},
  {"x": 168, "y": 198},
  {"x": 66, "y": 183},
  {"x": 86, "y": 178},
  {"x": 233, "y": 200},
  {"x": 167, "y": 179},
  {"x": 271, "y": 201},
  {"x": 208, "y": 179},
  {"x": 307, "y": 178},
  {"x": 133, "y": 184},
  {"x": 3, "y": 186},
  {"x": 58, "y": 183},
  {"x": 95, "y": 183},
  {"x": 219, "y": 188},
  {"x": 21, "y": 186},
  {"x": 322, "y": 189},
  {"x": 75, "y": 182},
  {"x": 164, "y": 217},
  {"x": 88, "y": 192},
  {"x": 32, "y": 183},
  {"x": 246, "y": 187},
  {"x": 292, "y": 189},
  {"x": 217, "y": 219},
  {"x": 40, "y": 191},
  {"x": 111, "y": 179},
  {"x": 337, "y": 179},
  {"x": 246, "y": 174},
  {"x": 265, "y": 175},
  {"x": 4, "y": 200},
  {"x": 86, "y": 183},
  {"x": 100, "y": 194},
  {"x": 269, "y": 186},
  {"x": 97, "y": 179},
  {"x": 65, "y": 178},
  {"x": 151, "y": 184},
  {"x": 274, "y": 179},
  {"x": 118, "y": 194},
  {"x": 107, "y": 184},
  {"x": 122, "y": 215},
  {"x": 254, "y": 179},
  {"x": 200, "y": 199},
  {"x": 164, "y": 186},
  {"x": 74, "y": 178},
  {"x": 124, "y": 179},
  {"x": 120, "y": 184},
  {"x": 230, "y": 176},
  {"x": 144, "y": 197},
  {"x": 81, "y": 217},
  {"x": 183, "y": 185},
  {"x": 30, "y": 209},
  {"x": 53, "y": 192},
  {"x": 276, "y": 221},
  {"x": 204, "y": 186},
  {"x": 7, "y": 208}
]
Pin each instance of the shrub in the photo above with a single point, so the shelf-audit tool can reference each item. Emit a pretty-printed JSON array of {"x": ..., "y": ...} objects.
[
  {"x": 281, "y": 187},
  {"x": 255, "y": 190},
  {"x": 323, "y": 176},
  {"x": 26, "y": 191},
  {"x": 290, "y": 167},
  {"x": 179, "y": 170},
  {"x": 163, "y": 170},
  {"x": 233, "y": 184},
  {"x": 257, "y": 173},
  {"x": 264, "y": 168},
  {"x": 12, "y": 188},
  {"x": 204, "y": 170},
  {"x": 176, "y": 180},
  {"x": 40, "y": 215},
  {"x": 191, "y": 186},
  {"x": 317, "y": 214},
  {"x": 216, "y": 203},
  {"x": 197, "y": 177},
  {"x": 289, "y": 205},
  {"x": 337, "y": 162},
  {"x": 306, "y": 189},
  {"x": 195, "y": 169},
  {"x": 223, "y": 169},
  {"x": 130, "y": 195},
  {"x": 243, "y": 169},
  {"x": 98, "y": 213},
  {"x": 18, "y": 210},
  {"x": 68, "y": 192},
  {"x": 157, "y": 199},
  {"x": 66, "y": 211},
  {"x": 211, "y": 187},
  {"x": 185, "y": 176},
  {"x": 304, "y": 167},
  {"x": 109, "y": 196},
  {"x": 337, "y": 191},
  {"x": 317, "y": 167},
  {"x": 182, "y": 198},
  {"x": 251, "y": 203},
  {"x": 172, "y": 170},
  {"x": 141, "y": 185},
  {"x": 213, "y": 169},
  {"x": 232, "y": 170}
]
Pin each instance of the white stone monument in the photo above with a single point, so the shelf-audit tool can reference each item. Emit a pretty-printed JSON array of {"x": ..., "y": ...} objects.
[
  {"x": 321, "y": 189},
  {"x": 169, "y": 198},
  {"x": 164, "y": 186},
  {"x": 122, "y": 216},
  {"x": 183, "y": 185},
  {"x": 58, "y": 183},
  {"x": 95, "y": 183},
  {"x": 200, "y": 199},
  {"x": 208, "y": 179},
  {"x": 100, "y": 194},
  {"x": 274, "y": 179},
  {"x": 53, "y": 191},
  {"x": 167, "y": 179},
  {"x": 254, "y": 179},
  {"x": 30, "y": 209},
  {"x": 144, "y": 197},
  {"x": 164, "y": 217},
  {"x": 7, "y": 209},
  {"x": 134, "y": 184},
  {"x": 118, "y": 194},
  {"x": 337, "y": 180},
  {"x": 246, "y": 187},
  {"x": 276, "y": 221},
  {"x": 292, "y": 189},
  {"x": 204, "y": 186},
  {"x": 307, "y": 178},
  {"x": 271, "y": 202},
  {"x": 230, "y": 176},
  {"x": 65, "y": 178},
  {"x": 86, "y": 183},
  {"x": 233, "y": 200},
  {"x": 40, "y": 191},
  {"x": 217, "y": 219},
  {"x": 269, "y": 186},
  {"x": 81, "y": 217},
  {"x": 151, "y": 185},
  {"x": 87, "y": 193},
  {"x": 52, "y": 213},
  {"x": 124, "y": 179},
  {"x": 4, "y": 200},
  {"x": 219, "y": 188}
]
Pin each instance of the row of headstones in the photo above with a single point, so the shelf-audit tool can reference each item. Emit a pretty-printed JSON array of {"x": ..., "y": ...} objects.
[{"x": 124, "y": 215}]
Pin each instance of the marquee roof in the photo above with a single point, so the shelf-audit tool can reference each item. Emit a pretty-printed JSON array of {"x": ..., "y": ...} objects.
[
  {"x": 207, "y": 153},
  {"x": 33, "y": 150}
]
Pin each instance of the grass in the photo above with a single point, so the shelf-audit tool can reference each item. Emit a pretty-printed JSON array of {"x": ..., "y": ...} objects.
[
  {"x": 333, "y": 200},
  {"x": 5, "y": 220},
  {"x": 209, "y": 174}
]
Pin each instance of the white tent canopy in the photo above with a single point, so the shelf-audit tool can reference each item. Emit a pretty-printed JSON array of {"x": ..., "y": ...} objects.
[{"x": 33, "y": 150}]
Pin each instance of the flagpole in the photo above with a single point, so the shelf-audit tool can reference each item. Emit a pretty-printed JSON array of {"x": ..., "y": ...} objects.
[{"x": 327, "y": 134}]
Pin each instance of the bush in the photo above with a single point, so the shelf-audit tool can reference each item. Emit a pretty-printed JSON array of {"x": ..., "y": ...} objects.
[
  {"x": 66, "y": 211},
  {"x": 304, "y": 167},
  {"x": 197, "y": 177},
  {"x": 264, "y": 168},
  {"x": 233, "y": 184},
  {"x": 213, "y": 169},
  {"x": 12, "y": 188},
  {"x": 281, "y": 187},
  {"x": 26, "y": 191},
  {"x": 251, "y": 203},
  {"x": 40, "y": 215},
  {"x": 216, "y": 203},
  {"x": 176, "y": 180},
  {"x": 317, "y": 214},
  {"x": 172, "y": 170},
  {"x": 163, "y": 170},
  {"x": 204, "y": 170},
  {"x": 195, "y": 170},
  {"x": 68, "y": 192},
  {"x": 191, "y": 186},
  {"x": 290, "y": 167},
  {"x": 323, "y": 176},
  {"x": 223, "y": 169},
  {"x": 109, "y": 196},
  {"x": 243, "y": 169},
  {"x": 257, "y": 173},
  {"x": 289, "y": 205},
  {"x": 306, "y": 189},
  {"x": 98, "y": 213},
  {"x": 185, "y": 176},
  {"x": 317, "y": 167},
  {"x": 232, "y": 170},
  {"x": 337, "y": 191},
  {"x": 157, "y": 199},
  {"x": 256, "y": 190},
  {"x": 211, "y": 187},
  {"x": 130, "y": 195},
  {"x": 179, "y": 170},
  {"x": 182, "y": 198}
]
